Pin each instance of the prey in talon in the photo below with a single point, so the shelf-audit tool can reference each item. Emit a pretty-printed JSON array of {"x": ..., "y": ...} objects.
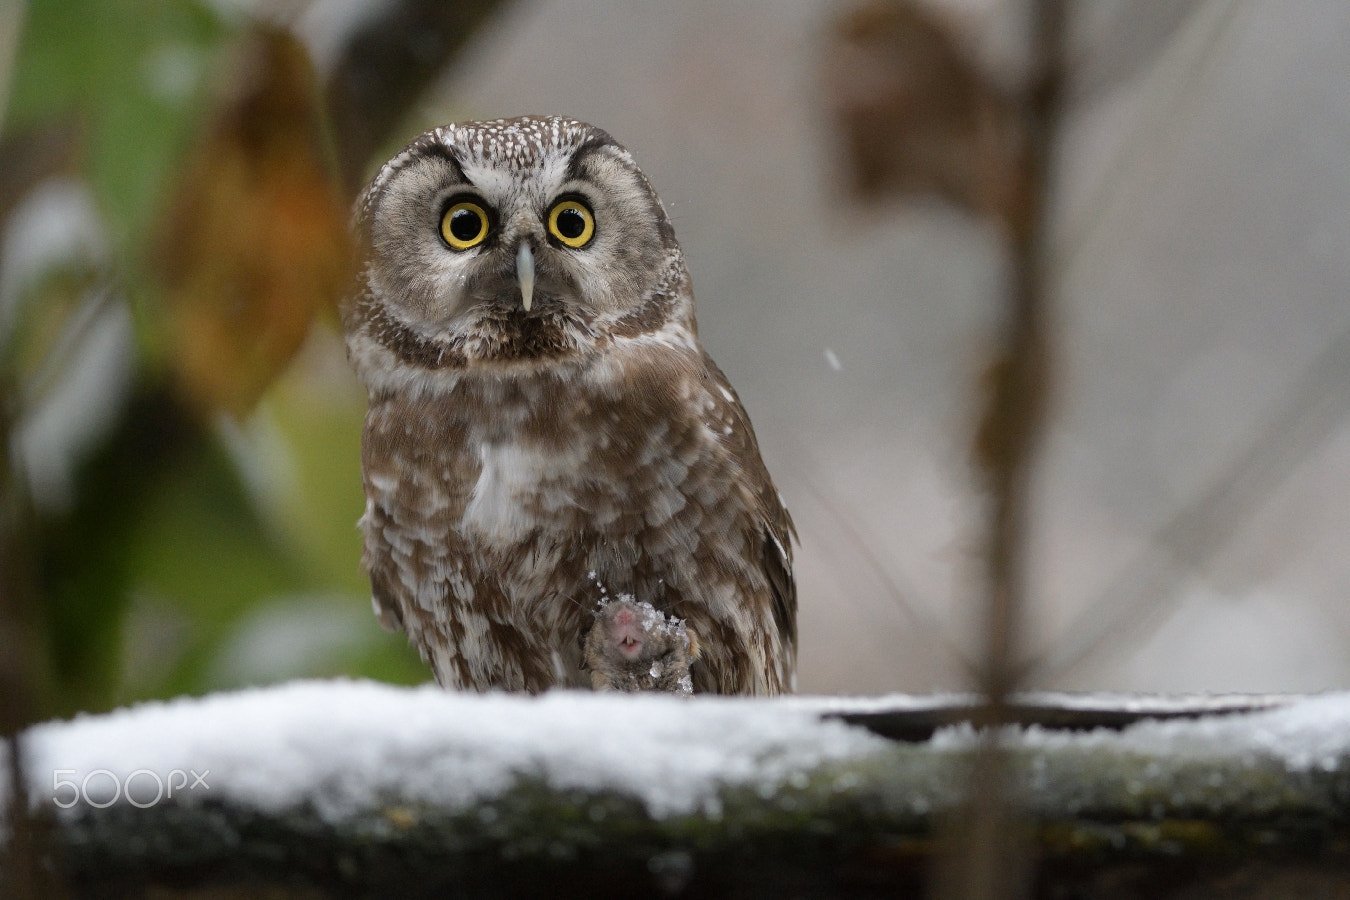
[{"x": 634, "y": 647}]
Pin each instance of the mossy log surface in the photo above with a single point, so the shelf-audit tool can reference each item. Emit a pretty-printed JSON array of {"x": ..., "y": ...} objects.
[{"x": 1112, "y": 811}]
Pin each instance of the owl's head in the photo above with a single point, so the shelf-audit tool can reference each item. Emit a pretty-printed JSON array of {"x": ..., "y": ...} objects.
[{"x": 510, "y": 242}]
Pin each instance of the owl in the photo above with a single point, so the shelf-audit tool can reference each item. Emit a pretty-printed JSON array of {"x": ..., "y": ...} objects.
[
  {"x": 633, "y": 647},
  {"x": 544, "y": 425}
]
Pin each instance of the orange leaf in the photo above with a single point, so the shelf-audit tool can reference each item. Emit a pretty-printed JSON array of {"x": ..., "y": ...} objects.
[{"x": 255, "y": 243}]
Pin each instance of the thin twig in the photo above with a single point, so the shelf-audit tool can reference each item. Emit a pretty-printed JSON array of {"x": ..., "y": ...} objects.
[{"x": 988, "y": 859}]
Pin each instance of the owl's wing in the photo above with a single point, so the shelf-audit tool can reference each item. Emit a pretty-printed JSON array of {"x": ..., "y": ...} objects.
[
  {"x": 386, "y": 610},
  {"x": 376, "y": 559},
  {"x": 778, "y": 532},
  {"x": 783, "y": 588}
]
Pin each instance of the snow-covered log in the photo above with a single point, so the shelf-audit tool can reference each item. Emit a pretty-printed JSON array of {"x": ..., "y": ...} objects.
[{"x": 359, "y": 789}]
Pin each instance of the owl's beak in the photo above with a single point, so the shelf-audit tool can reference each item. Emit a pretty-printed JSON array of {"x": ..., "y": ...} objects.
[{"x": 525, "y": 274}]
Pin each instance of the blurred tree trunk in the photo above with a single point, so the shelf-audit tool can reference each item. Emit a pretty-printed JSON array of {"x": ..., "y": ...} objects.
[{"x": 387, "y": 65}]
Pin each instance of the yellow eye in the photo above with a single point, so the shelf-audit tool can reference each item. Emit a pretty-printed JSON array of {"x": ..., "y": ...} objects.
[
  {"x": 572, "y": 223},
  {"x": 464, "y": 225}
]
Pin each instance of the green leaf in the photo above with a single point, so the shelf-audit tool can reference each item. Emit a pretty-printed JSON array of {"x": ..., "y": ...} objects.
[{"x": 132, "y": 72}]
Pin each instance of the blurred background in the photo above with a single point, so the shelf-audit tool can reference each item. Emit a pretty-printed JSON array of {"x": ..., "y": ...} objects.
[{"x": 182, "y": 479}]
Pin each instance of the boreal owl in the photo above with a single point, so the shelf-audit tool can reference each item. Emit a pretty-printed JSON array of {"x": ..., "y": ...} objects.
[{"x": 544, "y": 425}]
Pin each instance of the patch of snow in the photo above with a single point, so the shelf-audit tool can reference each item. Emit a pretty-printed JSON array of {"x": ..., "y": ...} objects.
[
  {"x": 1243, "y": 764},
  {"x": 1300, "y": 735},
  {"x": 350, "y": 747},
  {"x": 1086, "y": 700}
]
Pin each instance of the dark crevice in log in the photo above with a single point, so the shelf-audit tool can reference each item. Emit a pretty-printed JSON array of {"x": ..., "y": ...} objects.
[{"x": 919, "y": 725}]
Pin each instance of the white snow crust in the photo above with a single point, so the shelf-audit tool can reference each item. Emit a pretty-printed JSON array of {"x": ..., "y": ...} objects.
[
  {"x": 348, "y": 747},
  {"x": 351, "y": 748},
  {"x": 1295, "y": 733}
]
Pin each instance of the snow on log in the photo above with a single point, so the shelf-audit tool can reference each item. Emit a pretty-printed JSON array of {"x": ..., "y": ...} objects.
[{"x": 360, "y": 789}]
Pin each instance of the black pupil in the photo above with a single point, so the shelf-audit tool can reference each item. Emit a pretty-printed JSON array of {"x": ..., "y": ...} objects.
[
  {"x": 571, "y": 223},
  {"x": 465, "y": 224}
]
